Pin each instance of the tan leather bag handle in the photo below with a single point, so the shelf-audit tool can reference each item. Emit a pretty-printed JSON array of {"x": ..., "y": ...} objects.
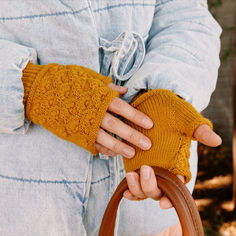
[{"x": 174, "y": 189}]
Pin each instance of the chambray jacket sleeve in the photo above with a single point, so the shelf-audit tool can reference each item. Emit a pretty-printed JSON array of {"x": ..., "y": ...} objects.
[
  {"x": 13, "y": 59},
  {"x": 182, "y": 52}
]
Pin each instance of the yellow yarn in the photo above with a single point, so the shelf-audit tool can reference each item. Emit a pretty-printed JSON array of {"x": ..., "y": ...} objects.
[
  {"x": 175, "y": 121},
  {"x": 69, "y": 101}
]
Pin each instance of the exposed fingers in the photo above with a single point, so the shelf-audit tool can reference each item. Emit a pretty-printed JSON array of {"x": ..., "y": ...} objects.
[
  {"x": 104, "y": 150},
  {"x": 124, "y": 109},
  {"x": 119, "y": 89},
  {"x": 165, "y": 203},
  {"x": 134, "y": 184},
  {"x": 207, "y": 136},
  {"x": 114, "y": 144},
  {"x": 149, "y": 183},
  {"x": 116, "y": 126},
  {"x": 127, "y": 194}
]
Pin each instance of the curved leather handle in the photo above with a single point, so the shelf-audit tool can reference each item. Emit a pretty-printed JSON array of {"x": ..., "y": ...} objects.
[{"x": 174, "y": 189}]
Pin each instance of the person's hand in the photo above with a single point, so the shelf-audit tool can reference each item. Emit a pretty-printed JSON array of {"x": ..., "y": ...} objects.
[
  {"x": 109, "y": 145},
  {"x": 141, "y": 187}
]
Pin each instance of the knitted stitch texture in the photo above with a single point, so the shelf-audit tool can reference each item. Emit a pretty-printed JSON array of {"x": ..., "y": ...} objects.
[
  {"x": 68, "y": 100},
  {"x": 175, "y": 121}
]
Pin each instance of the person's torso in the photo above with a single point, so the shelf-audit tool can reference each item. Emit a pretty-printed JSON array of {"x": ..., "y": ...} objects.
[{"x": 107, "y": 36}]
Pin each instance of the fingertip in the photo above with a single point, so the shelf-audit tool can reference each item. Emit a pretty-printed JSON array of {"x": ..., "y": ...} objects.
[
  {"x": 216, "y": 139},
  {"x": 132, "y": 177},
  {"x": 205, "y": 135},
  {"x": 130, "y": 173},
  {"x": 146, "y": 171},
  {"x": 122, "y": 89},
  {"x": 127, "y": 194},
  {"x": 165, "y": 203}
]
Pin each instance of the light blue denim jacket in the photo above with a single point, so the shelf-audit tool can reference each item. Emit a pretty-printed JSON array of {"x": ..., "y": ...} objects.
[{"x": 150, "y": 44}]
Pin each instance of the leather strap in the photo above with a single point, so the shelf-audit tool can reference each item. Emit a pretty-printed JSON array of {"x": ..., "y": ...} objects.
[{"x": 174, "y": 189}]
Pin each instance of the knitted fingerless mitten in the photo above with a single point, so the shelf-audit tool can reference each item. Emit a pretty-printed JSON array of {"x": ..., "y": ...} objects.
[
  {"x": 68, "y": 100},
  {"x": 175, "y": 121}
]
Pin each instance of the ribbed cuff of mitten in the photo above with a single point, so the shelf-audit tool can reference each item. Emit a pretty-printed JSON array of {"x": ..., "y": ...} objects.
[
  {"x": 174, "y": 123},
  {"x": 29, "y": 74}
]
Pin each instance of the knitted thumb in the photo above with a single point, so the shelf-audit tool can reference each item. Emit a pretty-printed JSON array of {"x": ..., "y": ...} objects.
[
  {"x": 174, "y": 123},
  {"x": 70, "y": 101}
]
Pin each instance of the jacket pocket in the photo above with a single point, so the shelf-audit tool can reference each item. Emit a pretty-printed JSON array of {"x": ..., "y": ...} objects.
[{"x": 122, "y": 57}]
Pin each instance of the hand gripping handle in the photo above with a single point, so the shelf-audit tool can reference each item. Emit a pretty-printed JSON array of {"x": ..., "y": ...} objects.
[{"x": 174, "y": 189}]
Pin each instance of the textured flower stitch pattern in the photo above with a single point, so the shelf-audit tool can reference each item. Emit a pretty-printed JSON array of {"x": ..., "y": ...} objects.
[{"x": 70, "y": 101}]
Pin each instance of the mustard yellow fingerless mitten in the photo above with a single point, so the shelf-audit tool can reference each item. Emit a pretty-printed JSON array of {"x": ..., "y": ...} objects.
[
  {"x": 68, "y": 100},
  {"x": 175, "y": 121}
]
